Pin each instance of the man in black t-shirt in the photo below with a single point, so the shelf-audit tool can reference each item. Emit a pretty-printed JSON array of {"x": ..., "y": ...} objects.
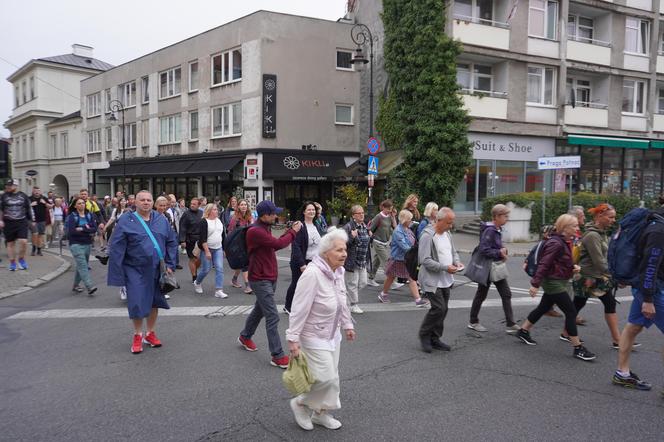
[
  {"x": 40, "y": 208},
  {"x": 15, "y": 214}
]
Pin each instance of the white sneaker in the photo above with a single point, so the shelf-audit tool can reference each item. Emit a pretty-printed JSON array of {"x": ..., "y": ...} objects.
[
  {"x": 325, "y": 420},
  {"x": 220, "y": 294},
  {"x": 123, "y": 294},
  {"x": 301, "y": 415},
  {"x": 396, "y": 285},
  {"x": 372, "y": 283},
  {"x": 167, "y": 296},
  {"x": 198, "y": 288},
  {"x": 356, "y": 309},
  {"x": 477, "y": 327}
]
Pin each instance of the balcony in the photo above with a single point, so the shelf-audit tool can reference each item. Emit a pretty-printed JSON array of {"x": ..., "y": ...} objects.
[
  {"x": 587, "y": 114},
  {"x": 633, "y": 122},
  {"x": 589, "y": 51},
  {"x": 481, "y": 32},
  {"x": 485, "y": 104},
  {"x": 658, "y": 123},
  {"x": 637, "y": 62},
  {"x": 646, "y": 5},
  {"x": 660, "y": 61}
]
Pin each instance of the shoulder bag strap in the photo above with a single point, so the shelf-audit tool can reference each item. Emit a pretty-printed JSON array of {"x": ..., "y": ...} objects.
[{"x": 149, "y": 232}]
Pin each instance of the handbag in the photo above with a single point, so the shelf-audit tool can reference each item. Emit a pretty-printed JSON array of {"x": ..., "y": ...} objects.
[
  {"x": 498, "y": 271},
  {"x": 478, "y": 268},
  {"x": 167, "y": 281},
  {"x": 297, "y": 378}
]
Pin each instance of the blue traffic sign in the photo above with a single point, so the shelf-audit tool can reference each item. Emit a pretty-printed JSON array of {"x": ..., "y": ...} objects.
[
  {"x": 373, "y": 146},
  {"x": 372, "y": 166}
]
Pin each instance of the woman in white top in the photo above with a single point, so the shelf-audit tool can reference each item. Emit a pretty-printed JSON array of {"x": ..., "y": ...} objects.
[
  {"x": 210, "y": 240},
  {"x": 319, "y": 313},
  {"x": 59, "y": 215}
]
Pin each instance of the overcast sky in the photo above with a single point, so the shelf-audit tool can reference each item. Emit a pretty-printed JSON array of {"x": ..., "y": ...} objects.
[{"x": 120, "y": 30}]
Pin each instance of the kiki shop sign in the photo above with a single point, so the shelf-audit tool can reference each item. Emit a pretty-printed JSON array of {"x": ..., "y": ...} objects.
[{"x": 510, "y": 148}]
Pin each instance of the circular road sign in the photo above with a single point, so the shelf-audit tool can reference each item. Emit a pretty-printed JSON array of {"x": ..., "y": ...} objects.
[{"x": 373, "y": 146}]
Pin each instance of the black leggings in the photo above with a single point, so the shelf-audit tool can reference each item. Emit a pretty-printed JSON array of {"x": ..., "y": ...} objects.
[
  {"x": 608, "y": 300},
  {"x": 564, "y": 303}
]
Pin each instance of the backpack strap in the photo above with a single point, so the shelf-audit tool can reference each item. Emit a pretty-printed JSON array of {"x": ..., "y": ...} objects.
[{"x": 149, "y": 232}]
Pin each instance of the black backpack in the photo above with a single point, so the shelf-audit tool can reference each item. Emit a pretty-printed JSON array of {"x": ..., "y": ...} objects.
[
  {"x": 533, "y": 256},
  {"x": 412, "y": 262},
  {"x": 235, "y": 247}
]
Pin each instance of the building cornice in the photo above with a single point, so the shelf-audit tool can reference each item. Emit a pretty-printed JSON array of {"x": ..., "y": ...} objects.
[
  {"x": 30, "y": 114},
  {"x": 34, "y": 63}
]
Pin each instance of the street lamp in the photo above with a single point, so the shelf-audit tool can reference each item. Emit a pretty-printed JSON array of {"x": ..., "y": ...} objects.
[
  {"x": 116, "y": 106},
  {"x": 361, "y": 35}
]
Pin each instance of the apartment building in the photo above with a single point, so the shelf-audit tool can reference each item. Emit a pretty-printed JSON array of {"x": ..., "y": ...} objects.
[
  {"x": 44, "y": 127},
  {"x": 557, "y": 77},
  {"x": 266, "y": 104}
]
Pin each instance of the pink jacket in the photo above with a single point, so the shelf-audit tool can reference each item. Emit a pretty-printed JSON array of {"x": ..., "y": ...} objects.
[{"x": 319, "y": 305}]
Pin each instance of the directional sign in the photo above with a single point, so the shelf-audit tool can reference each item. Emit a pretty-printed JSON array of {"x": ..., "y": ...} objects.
[
  {"x": 372, "y": 165},
  {"x": 373, "y": 146},
  {"x": 550, "y": 163}
]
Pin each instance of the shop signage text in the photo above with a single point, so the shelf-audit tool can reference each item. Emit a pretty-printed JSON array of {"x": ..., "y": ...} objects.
[
  {"x": 269, "y": 106},
  {"x": 510, "y": 147},
  {"x": 550, "y": 163},
  {"x": 294, "y": 163}
]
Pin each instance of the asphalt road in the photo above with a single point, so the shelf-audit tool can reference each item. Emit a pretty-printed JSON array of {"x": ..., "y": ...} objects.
[{"x": 73, "y": 378}]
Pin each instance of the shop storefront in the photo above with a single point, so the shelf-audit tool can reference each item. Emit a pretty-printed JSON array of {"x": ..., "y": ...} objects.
[{"x": 502, "y": 164}]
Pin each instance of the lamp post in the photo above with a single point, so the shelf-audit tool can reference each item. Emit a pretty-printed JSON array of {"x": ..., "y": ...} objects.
[
  {"x": 117, "y": 106},
  {"x": 361, "y": 35}
]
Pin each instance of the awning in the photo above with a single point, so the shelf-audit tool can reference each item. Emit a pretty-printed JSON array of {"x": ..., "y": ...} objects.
[
  {"x": 164, "y": 168},
  {"x": 175, "y": 168},
  {"x": 628, "y": 143},
  {"x": 119, "y": 169},
  {"x": 213, "y": 166},
  {"x": 657, "y": 144},
  {"x": 297, "y": 165}
]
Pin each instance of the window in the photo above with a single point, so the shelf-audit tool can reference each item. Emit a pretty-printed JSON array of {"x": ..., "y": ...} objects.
[
  {"x": 344, "y": 60},
  {"x": 660, "y": 100},
  {"x": 541, "y": 85},
  {"x": 94, "y": 141},
  {"x": 193, "y": 76},
  {"x": 127, "y": 94},
  {"x": 94, "y": 105},
  {"x": 542, "y": 18},
  {"x": 24, "y": 155},
  {"x": 474, "y": 77},
  {"x": 227, "y": 67},
  {"x": 476, "y": 9},
  {"x": 169, "y": 129},
  {"x": 16, "y": 150},
  {"x": 580, "y": 28},
  {"x": 169, "y": 83},
  {"x": 580, "y": 91},
  {"x": 32, "y": 88},
  {"x": 227, "y": 120},
  {"x": 17, "y": 96},
  {"x": 129, "y": 135},
  {"x": 54, "y": 146},
  {"x": 193, "y": 125},
  {"x": 633, "y": 96},
  {"x": 64, "y": 141},
  {"x": 33, "y": 154},
  {"x": 109, "y": 138},
  {"x": 343, "y": 114},
  {"x": 637, "y": 33},
  {"x": 107, "y": 95},
  {"x": 145, "y": 89},
  {"x": 24, "y": 91},
  {"x": 145, "y": 132}
]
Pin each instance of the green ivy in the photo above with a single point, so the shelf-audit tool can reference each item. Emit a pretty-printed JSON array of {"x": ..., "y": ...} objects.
[{"x": 423, "y": 113}]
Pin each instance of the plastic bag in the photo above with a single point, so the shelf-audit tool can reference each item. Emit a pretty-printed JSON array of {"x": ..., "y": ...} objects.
[{"x": 297, "y": 379}]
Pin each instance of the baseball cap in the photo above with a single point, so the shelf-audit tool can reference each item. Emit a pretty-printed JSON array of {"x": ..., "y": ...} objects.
[
  {"x": 11, "y": 182},
  {"x": 267, "y": 208}
]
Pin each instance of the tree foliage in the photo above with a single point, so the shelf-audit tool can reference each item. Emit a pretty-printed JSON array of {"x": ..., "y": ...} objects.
[{"x": 423, "y": 112}]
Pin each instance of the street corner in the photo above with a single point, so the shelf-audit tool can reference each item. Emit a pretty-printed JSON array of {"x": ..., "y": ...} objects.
[{"x": 41, "y": 270}]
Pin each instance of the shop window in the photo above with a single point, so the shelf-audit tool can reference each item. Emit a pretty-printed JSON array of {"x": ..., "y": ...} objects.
[
  {"x": 589, "y": 175},
  {"x": 652, "y": 172},
  {"x": 612, "y": 161}
]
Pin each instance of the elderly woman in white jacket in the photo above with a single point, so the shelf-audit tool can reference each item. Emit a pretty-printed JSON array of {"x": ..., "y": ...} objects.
[{"x": 318, "y": 313}]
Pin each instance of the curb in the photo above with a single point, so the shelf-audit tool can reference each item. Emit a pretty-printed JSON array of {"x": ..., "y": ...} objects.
[{"x": 64, "y": 266}]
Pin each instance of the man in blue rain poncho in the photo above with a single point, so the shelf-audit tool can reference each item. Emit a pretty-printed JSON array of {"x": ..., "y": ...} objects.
[{"x": 134, "y": 263}]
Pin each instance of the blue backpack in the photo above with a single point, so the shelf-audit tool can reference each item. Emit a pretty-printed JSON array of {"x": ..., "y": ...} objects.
[
  {"x": 533, "y": 256},
  {"x": 625, "y": 251}
]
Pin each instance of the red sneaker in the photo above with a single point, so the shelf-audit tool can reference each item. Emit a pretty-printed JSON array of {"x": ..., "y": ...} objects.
[
  {"x": 151, "y": 338},
  {"x": 281, "y": 362},
  {"x": 247, "y": 343},
  {"x": 137, "y": 345}
]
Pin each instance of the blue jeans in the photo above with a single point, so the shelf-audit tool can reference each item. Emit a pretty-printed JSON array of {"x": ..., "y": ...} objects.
[
  {"x": 206, "y": 266},
  {"x": 265, "y": 306},
  {"x": 81, "y": 255}
]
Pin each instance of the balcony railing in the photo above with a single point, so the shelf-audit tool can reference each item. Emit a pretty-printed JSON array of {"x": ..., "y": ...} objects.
[
  {"x": 589, "y": 104},
  {"x": 479, "y": 93},
  {"x": 592, "y": 41},
  {"x": 481, "y": 21}
]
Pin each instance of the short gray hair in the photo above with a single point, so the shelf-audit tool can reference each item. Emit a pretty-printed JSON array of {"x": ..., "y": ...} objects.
[
  {"x": 575, "y": 210},
  {"x": 444, "y": 212},
  {"x": 332, "y": 235}
]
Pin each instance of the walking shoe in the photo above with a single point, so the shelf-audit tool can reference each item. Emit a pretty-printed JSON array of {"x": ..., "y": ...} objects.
[
  {"x": 421, "y": 303},
  {"x": 235, "y": 284},
  {"x": 584, "y": 354},
  {"x": 22, "y": 265},
  {"x": 12, "y": 266},
  {"x": 301, "y": 414},
  {"x": 39, "y": 252},
  {"x": 510, "y": 330},
  {"x": 631, "y": 381},
  {"x": 325, "y": 420},
  {"x": 356, "y": 309},
  {"x": 123, "y": 294},
  {"x": 137, "y": 344},
  {"x": 193, "y": 279},
  {"x": 220, "y": 294},
  {"x": 247, "y": 343},
  {"x": 198, "y": 288},
  {"x": 524, "y": 335},
  {"x": 567, "y": 339},
  {"x": 427, "y": 347},
  {"x": 616, "y": 346},
  {"x": 167, "y": 296},
  {"x": 151, "y": 338},
  {"x": 248, "y": 290},
  {"x": 396, "y": 286},
  {"x": 91, "y": 291},
  {"x": 178, "y": 267},
  {"x": 477, "y": 327},
  {"x": 437, "y": 344},
  {"x": 384, "y": 298},
  {"x": 77, "y": 289},
  {"x": 281, "y": 362},
  {"x": 372, "y": 283}
]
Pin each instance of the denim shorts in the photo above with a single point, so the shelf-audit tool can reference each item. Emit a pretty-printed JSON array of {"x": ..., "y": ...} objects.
[{"x": 636, "y": 316}]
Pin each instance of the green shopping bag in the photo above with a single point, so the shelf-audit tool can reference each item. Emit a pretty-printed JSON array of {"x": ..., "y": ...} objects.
[{"x": 297, "y": 379}]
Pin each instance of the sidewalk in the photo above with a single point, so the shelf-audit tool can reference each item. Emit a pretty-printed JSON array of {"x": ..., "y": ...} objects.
[
  {"x": 41, "y": 269},
  {"x": 465, "y": 243}
]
